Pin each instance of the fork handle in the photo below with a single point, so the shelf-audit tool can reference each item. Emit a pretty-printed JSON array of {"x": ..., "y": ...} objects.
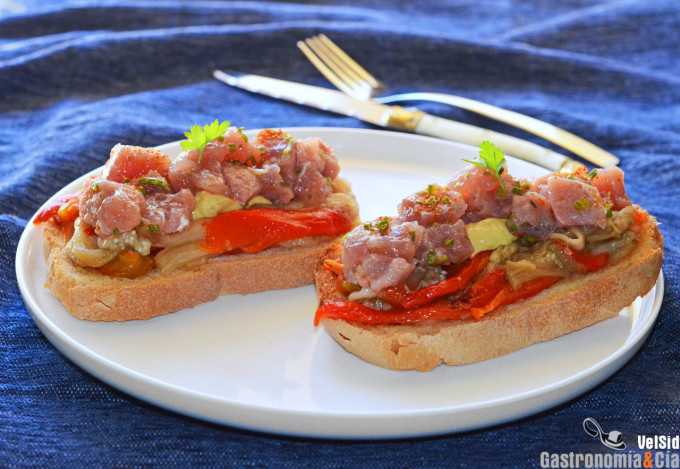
[
  {"x": 574, "y": 143},
  {"x": 464, "y": 133}
]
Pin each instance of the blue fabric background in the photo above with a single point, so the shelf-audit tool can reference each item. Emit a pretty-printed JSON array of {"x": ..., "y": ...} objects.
[{"x": 77, "y": 77}]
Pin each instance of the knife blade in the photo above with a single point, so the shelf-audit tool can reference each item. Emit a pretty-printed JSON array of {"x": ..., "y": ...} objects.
[{"x": 396, "y": 117}]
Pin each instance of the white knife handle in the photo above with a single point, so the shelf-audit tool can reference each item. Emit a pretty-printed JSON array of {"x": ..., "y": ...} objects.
[
  {"x": 465, "y": 133},
  {"x": 558, "y": 136}
]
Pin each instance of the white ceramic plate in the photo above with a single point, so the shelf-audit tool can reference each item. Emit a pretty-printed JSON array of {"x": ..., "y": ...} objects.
[{"x": 257, "y": 362}]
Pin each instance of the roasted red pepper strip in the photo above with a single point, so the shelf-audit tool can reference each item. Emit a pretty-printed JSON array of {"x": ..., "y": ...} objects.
[
  {"x": 334, "y": 266},
  {"x": 491, "y": 292},
  {"x": 393, "y": 295},
  {"x": 451, "y": 285},
  {"x": 589, "y": 261},
  {"x": 507, "y": 295},
  {"x": 356, "y": 312},
  {"x": 256, "y": 229},
  {"x": 64, "y": 207},
  {"x": 486, "y": 288}
]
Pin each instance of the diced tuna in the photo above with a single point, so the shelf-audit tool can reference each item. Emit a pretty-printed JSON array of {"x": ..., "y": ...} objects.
[
  {"x": 187, "y": 172},
  {"x": 609, "y": 182},
  {"x": 166, "y": 213},
  {"x": 273, "y": 185},
  {"x": 274, "y": 142},
  {"x": 131, "y": 162},
  {"x": 232, "y": 146},
  {"x": 379, "y": 271},
  {"x": 208, "y": 177},
  {"x": 378, "y": 256},
  {"x": 532, "y": 215},
  {"x": 311, "y": 186},
  {"x": 242, "y": 182},
  {"x": 483, "y": 205},
  {"x": 443, "y": 244},
  {"x": 179, "y": 174},
  {"x": 309, "y": 168},
  {"x": 434, "y": 205},
  {"x": 575, "y": 203},
  {"x": 233, "y": 166},
  {"x": 539, "y": 184},
  {"x": 482, "y": 193},
  {"x": 111, "y": 207}
]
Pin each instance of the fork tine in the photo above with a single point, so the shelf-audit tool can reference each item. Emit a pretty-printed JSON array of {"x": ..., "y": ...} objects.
[
  {"x": 324, "y": 69},
  {"x": 351, "y": 83},
  {"x": 358, "y": 69},
  {"x": 327, "y": 51},
  {"x": 339, "y": 68}
]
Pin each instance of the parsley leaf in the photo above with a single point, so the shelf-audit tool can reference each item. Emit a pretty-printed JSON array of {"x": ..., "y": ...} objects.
[
  {"x": 199, "y": 137},
  {"x": 493, "y": 159}
]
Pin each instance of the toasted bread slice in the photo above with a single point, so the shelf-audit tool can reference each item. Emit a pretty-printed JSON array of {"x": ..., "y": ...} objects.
[
  {"x": 88, "y": 294},
  {"x": 567, "y": 306}
]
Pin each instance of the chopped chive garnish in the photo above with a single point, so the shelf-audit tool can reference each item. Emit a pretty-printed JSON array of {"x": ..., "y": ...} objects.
[
  {"x": 158, "y": 182},
  {"x": 244, "y": 136},
  {"x": 582, "y": 204},
  {"x": 431, "y": 258},
  {"x": 383, "y": 224}
]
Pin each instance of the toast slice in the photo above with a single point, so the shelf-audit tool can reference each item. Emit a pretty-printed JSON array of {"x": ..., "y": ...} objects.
[
  {"x": 567, "y": 306},
  {"x": 243, "y": 216},
  {"x": 88, "y": 294}
]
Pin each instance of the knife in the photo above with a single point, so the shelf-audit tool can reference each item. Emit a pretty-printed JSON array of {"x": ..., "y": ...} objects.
[
  {"x": 574, "y": 143},
  {"x": 396, "y": 117}
]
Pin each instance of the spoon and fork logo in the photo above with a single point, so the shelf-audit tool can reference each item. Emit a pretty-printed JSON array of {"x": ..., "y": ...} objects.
[{"x": 613, "y": 439}]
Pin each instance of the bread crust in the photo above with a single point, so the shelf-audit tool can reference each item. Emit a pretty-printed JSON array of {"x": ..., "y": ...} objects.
[
  {"x": 567, "y": 306},
  {"x": 88, "y": 294}
]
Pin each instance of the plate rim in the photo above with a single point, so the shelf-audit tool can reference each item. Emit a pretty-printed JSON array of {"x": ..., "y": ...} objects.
[{"x": 84, "y": 357}]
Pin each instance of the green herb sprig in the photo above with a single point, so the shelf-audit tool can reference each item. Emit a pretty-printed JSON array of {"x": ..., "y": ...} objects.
[
  {"x": 493, "y": 159},
  {"x": 198, "y": 137}
]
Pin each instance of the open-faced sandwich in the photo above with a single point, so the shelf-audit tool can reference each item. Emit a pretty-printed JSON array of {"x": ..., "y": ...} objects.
[
  {"x": 486, "y": 265},
  {"x": 149, "y": 236}
]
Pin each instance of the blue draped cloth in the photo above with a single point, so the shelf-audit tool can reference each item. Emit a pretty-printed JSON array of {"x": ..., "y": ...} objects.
[{"x": 79, "y": 76}]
